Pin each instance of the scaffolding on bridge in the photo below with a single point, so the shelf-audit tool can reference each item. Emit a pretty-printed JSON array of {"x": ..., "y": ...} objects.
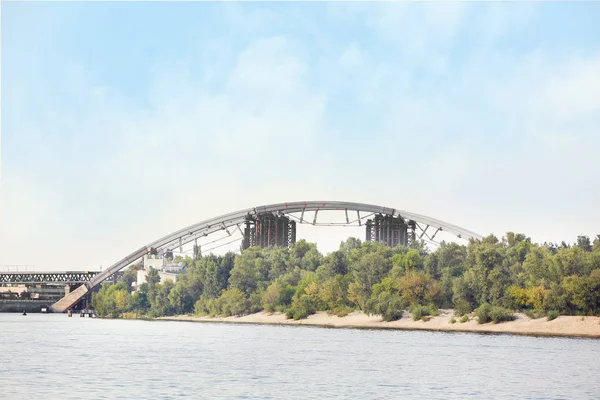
[{"x": 268, "y": 230}]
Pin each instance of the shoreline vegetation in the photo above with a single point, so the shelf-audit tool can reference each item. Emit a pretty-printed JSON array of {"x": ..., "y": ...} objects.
[
  {"x": 506, "y": 285},
  {"x": 563, "y": 326}
]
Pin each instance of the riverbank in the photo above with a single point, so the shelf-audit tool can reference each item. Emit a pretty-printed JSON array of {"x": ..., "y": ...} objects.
[{"x": 562, "y": 326}]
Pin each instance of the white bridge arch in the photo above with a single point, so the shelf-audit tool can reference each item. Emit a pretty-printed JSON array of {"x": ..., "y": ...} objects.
[{"x": 234, "y": 219}]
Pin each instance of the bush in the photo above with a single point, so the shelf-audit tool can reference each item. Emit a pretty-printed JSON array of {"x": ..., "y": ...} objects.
[
  {"x": 301, "y": 308},
  {"x": 487, "y": 313},
  {"x": 420, "y": 312},
  {"x": 342, "y": 311},
  {"x": 205, "y": 306},
  {"x": 452, "y": 320},
  {"x": 392, "y": 314},
  {"x": 389, "y": 305},
  {"x": 552, "y": 314},
  {"x": 462, "y": 307},
  {"x": 465, "y": 318},
  {"x": 297, "y": 313},
  {"x": 232, "y": 302},
  {"x": 501, "y": 314}
]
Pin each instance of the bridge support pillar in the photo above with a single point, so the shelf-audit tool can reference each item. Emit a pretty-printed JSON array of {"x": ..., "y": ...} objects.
[
  {"x": 387, "y": 229},
  {"x": 412, "y": 226},
  {"x": 268, "y": 230}
]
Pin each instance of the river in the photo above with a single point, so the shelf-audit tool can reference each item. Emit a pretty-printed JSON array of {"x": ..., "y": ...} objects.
[{"x": 51, "y": 356}]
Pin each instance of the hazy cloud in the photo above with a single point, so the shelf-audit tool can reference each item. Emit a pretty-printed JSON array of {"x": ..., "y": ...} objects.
[{"x": 398, "y": 105}]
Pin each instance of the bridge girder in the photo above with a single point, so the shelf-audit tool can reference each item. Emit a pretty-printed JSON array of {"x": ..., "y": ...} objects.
[{"x": 47, "y": 277}]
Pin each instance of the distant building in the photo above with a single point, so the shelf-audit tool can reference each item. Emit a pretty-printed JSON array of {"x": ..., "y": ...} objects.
[
  {"x": 142, "y": 273},
  {"x": 151, "y": 261},
  {"x": 167, "y": 269},
  {"x": 173, "y": 267}
]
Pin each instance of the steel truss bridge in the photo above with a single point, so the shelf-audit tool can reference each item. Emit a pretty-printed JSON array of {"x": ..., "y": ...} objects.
[
  {"x": 69, "y": 277},
  {"x": 275, "y": 225}
]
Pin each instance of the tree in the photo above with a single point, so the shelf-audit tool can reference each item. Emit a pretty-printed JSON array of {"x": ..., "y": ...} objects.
[
  {"x": 419, "y": 288},
  {"x": 596, "y": 247},
  {"x": 160, "y": 303},
  {"x": 584, "y": 243},
  {"x": 152, "y": 277},
  {"x": 370, "y": 270},
  {"x": 180, "y": 299},
  {"x": 244, "y": 275},
  {"x": 129, "y": 277},
  {"x": 512, "y": 272}
]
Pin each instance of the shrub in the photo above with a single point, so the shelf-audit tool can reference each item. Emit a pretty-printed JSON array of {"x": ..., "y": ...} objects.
[
  {"x": 233, "y": 302},
  {"x": 389, "y": 305},
  {"x": 465, "y": 318},
  {"x": 487, "y": 313},
  {"x": 483, "y": 313},
  {"x": 417, "y": 312},
  {"x": 392, "y": 314},
  {"x": 301, "y": 308},
  {"x": 420, "y": 312},
  {"x": 501, "y": 314},
  {"x": 205, "y": 306},
  {"x": 552, "y": 314},
  {"x": 342, "y": 311},
  {"x": 452, "y": 320},
  {"x": 297, "y": 313},
  {"x": 393, "y": 310},
  {"x": 462, "y": 307}
]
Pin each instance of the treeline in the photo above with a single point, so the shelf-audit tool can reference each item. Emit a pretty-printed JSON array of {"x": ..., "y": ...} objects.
[{"x": 511, "y": 273}]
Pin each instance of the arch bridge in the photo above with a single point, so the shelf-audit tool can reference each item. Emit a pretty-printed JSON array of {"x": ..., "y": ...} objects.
[{"x": 275, "y": 225}]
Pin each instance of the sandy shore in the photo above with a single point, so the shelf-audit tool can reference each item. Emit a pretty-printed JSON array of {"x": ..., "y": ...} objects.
[{"x": 523, "y": 325}]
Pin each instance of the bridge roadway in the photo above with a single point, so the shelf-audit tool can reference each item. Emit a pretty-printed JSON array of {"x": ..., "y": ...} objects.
[
  {"x": 223, "y": 222},
  {"x": 47, "y": 277}
]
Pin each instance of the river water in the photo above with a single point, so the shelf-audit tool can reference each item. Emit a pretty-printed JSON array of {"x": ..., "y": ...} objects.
[{"x": 56, "y": 357}]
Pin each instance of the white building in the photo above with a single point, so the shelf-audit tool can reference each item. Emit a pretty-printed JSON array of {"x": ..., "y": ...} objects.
[
  {"x": 151, "y": 261},
  {"x": 143, "y": 273}
]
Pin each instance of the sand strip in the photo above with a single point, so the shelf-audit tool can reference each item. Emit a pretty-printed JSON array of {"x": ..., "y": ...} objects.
[{"x": 562, "y": 326}]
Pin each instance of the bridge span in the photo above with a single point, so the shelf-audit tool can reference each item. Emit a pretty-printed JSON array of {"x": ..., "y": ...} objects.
[
  {"x": 274, "y": 225},
  {"x": 47, "y": 277}
]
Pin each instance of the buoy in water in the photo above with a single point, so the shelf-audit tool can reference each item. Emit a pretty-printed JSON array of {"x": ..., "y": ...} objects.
[{"x": 24, "y": 313}]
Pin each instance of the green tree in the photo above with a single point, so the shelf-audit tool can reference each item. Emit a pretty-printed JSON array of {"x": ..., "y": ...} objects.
[
  {"x": 152, "y": 277},
  {"x": 129, "y": 277},
  {"x": 419, "y": 288}
]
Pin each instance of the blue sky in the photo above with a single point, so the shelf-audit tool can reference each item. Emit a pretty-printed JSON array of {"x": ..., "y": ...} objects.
[{"x": 125, "y": 121}]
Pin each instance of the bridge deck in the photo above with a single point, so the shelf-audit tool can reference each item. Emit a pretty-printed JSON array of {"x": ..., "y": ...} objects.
[{"x": 47, "y": 277}]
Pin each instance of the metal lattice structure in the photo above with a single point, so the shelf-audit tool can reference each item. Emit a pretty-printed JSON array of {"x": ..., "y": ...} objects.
[
  {"x": 387, "y": 229},
  {"x": 268, "y": 217},
  {"x": 47, "y": 277},
  {"x": 268, "y": 230}
]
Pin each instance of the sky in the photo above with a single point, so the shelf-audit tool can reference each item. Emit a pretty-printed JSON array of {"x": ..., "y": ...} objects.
[{"x": 123, "y": 122}]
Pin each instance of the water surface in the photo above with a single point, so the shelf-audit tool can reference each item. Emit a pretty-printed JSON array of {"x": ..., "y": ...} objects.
[{"x": 56, "y": 357}]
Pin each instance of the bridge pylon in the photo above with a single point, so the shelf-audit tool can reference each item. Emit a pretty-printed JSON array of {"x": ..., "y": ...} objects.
[
  {"x": 268, "y": 230},
  {"x": 391, "y": 230}
]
